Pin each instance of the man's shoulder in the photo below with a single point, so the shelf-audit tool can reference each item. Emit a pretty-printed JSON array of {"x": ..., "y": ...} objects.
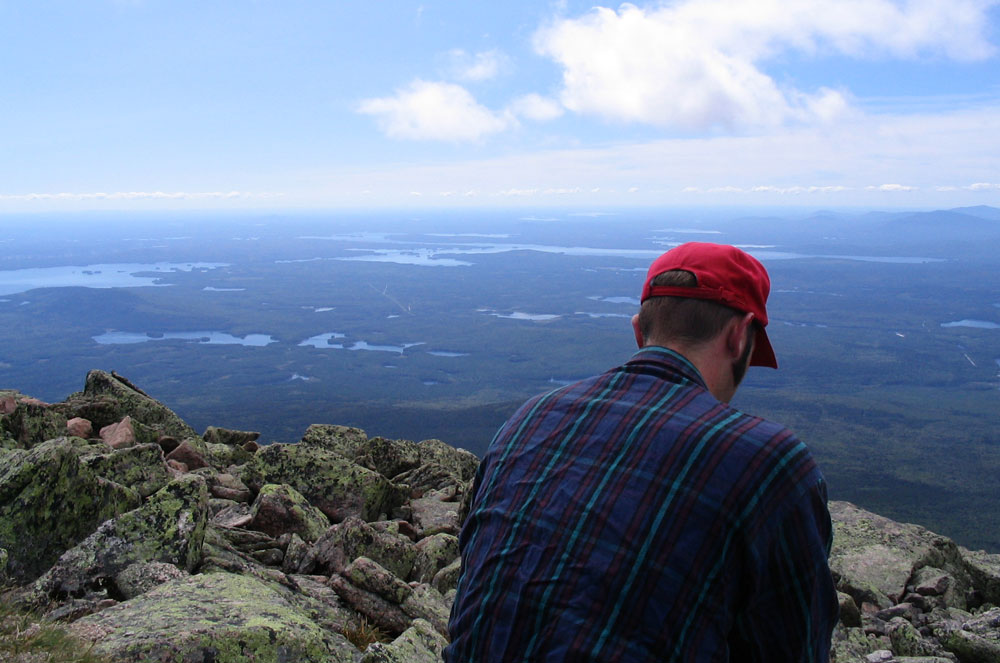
[
  {"x": 757, "y": 429},
  {"x": 774, "y": 449}
]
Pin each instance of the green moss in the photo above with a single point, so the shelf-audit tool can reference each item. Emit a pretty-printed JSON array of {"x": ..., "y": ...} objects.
[
  {"x": 169, "y": 527},
  {"x": 49, "y": 501},
  {"x": 347, "y": 541},
  {"x": 156, "y": 528},
  {"x": 31, "y": 424},
  {"x": 216, "y": 435},
  {"x": 220, "y": 617},
  {"x": 391, "y": 457},
  {"x": 301, "y": 517},
  {"x": 224, "y": 455},
  {"x": 335, "y": 485},
  {"x": 459, "y": 461},
  {"x": 140, "y": 467},
  {"x": 342, "y": 440}
]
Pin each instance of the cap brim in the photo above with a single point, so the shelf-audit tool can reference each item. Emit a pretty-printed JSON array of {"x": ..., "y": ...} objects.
[{"x": 763, "y": 353}]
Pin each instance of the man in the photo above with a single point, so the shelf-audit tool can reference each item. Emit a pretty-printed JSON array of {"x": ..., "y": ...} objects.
[{"x": 636, "y": 516}]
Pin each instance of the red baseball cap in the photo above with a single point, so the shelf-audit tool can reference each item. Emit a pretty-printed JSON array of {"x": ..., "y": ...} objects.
[{"x": 724, "y": 274}]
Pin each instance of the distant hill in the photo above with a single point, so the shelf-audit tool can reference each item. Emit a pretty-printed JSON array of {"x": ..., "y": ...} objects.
[
  {"x": 982, "y": 211},
  {"x": 977, "y": 225},
  {"x": 950, "y": 219}
]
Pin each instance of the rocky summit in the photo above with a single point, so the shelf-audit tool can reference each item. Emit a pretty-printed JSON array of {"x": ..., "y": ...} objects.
[{"x": 155, "y": 543}]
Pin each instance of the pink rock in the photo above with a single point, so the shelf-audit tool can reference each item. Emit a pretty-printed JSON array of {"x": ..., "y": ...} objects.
[
  {"x": 33, "y": 401},
  {"x": 228, "y": 487},
  {"x": 432, "y": 515},
  {"x": 233, "y": 494},
  {"x": 119, "y": 435},
  {"x": 188, "y": 455},
  {"x": 79, "y": 427},
  {"x": 229, "y": 520},
  {"x": 176, "y": 468},
  {"x": 7, "y": 405}
]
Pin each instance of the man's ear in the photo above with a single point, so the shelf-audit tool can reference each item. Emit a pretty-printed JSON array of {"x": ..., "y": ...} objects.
[
  {"x": 737, "y": 336},
  {"x": 639, "y": 341}
]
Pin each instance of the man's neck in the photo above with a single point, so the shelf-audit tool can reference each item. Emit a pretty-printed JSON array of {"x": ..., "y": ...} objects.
[{"x": 712, "y": 363}]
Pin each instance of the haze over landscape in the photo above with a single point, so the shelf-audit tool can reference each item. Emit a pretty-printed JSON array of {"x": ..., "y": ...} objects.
[{"x": 411, "y": 216}]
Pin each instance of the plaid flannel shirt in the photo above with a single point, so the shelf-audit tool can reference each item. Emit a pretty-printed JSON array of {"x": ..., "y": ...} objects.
[{"x": 634, "y": 517}]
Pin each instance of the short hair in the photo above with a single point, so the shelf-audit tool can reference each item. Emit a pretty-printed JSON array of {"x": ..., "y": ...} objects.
[{"x": 685, "y": 319}]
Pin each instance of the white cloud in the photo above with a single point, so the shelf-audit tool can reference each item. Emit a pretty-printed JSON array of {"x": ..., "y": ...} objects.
[
  {"x": 517, "y": 192},
  {"x": 892, "y": 187},
  {"x": 858, "y": 28},
  {"x": 140, "y": 195},
  {"x": 983, "y": 186},
  {"x": 697, "y": 64},
  {"x": 782, "y": 190},
  {"x": 434, "y": 111},
  {"x": 536, "y": 107},
  {"x": 478, "y": 67}
]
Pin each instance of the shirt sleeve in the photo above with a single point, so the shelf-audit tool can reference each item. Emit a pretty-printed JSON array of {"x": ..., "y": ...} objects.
[{"x": 791, "y": 607}]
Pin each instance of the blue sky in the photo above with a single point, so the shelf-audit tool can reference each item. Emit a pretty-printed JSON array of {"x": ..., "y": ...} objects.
[{"x": 171, "y": 104}]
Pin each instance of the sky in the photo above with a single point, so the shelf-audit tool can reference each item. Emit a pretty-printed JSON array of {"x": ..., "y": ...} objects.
[{"x": 329, "y": 104}]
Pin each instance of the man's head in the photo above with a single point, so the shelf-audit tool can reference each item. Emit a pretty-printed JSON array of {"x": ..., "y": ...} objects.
[{"x": 696, "y": 290}]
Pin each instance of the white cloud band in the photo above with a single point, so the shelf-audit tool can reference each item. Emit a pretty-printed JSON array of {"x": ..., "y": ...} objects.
[{"x": 139, "y": 195}]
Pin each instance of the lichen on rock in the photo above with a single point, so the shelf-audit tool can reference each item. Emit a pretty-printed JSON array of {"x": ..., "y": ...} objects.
[
  {"x": 280, "y": 508},
  {"x": 218, "y": 618},
  {"x": 984, "y": 569},
  {"x": 434, "y": 553},
  {"x": 216, "y": 435},
  {"x": 140, "y": 577},
  {"x": 875, "y": 558},
  {"x": 420, "y": 643},
  {"x": 337, "y": 486},
  {"x": 343, "y": 440},
  {"x": 914, "y": 590},
  {"x": 373, "y": 577},
  {"x": 141, "y": 467},
  {"x": 353, "y": 538},
  {"x": 49, "y": 501},
  {"x": 169, "y": 527},
  {"x": 27, "y": 421},
  {"x": 107, "y": 398},
  {"x": 389, "y": 457}
]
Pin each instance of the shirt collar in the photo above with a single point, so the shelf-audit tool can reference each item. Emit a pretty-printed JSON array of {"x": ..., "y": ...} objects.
[{"x": 670, "y": 360}]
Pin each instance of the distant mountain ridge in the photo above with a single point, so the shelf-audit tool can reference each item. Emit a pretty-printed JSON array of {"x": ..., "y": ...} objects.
[
  {"x": 153, "y": 542},
  {"x": 966, "y": 218},
  {"x": 978, "y": 211},
  {"x": 982, "y": 211}
]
